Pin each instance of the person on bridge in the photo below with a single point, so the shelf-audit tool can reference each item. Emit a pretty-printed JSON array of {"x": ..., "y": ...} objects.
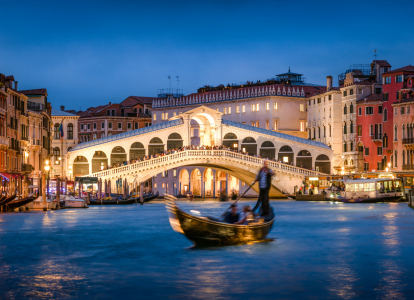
[{"x": 264, "y": 177}]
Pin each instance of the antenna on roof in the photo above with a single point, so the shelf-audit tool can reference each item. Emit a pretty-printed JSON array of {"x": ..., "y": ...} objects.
[
  {"x": 177, "y": 81},
  {"x": 375, "y": 54},
  {"x": 289, "y": 69}
]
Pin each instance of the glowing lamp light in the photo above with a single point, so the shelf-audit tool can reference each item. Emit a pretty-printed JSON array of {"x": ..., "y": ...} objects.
[
  {"x": 235, "y": 145},
  {"x": 47, "y": 168},
  {"x": 285, "y": 159}
]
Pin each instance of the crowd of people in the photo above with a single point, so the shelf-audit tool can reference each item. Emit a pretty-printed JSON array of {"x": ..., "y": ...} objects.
[{"x": 184, "y": 148}]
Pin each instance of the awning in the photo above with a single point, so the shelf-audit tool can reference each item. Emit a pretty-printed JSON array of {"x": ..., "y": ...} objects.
[{"x": 87, "y": 180}]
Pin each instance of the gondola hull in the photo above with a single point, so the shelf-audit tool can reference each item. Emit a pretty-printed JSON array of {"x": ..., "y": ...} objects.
[{"x": 204, "y": 232}]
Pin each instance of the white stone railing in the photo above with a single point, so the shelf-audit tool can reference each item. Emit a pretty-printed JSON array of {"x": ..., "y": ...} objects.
[{"x": 202, "y": 154}]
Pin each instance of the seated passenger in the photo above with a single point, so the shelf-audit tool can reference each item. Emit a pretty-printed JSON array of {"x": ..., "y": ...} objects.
[
  {"x": 232, "y": 216},
  {"x": 245, "y": 215}
]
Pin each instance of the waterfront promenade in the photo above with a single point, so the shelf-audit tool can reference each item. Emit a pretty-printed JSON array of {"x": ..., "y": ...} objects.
[{"x": 316, "y": 250}]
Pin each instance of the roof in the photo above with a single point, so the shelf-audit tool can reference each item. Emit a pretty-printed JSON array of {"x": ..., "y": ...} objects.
[
  {"x": 408, "y": 68},
  {"x": 41, "y": 92},
  {"x": 382, "y": 63},
  {"x": 146, "y": 100},
  {"x": 275, "y": 134},
  {"x": 10, "y": 77},
  {"x": 366, "y": 82},
  {"x": 371, "y": 98},
  {"x": 131, "y": 133},
  {"x": 61, "y": 113},
  {"x": 406, "y": 100}
]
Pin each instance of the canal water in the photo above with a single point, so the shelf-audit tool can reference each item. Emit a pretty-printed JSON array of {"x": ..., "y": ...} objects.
[{"x": 317, "y": 250}]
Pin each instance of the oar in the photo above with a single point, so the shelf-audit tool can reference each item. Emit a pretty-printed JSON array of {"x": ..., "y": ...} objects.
[{"x": 238, "y": 199}]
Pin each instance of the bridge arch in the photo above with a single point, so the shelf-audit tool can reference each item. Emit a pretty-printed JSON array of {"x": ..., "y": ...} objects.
[
  {"x": 99, "y": 159},
  {"x": 249, "y": 145},
  {"x": 230, "y": 140},
  {"x": 136, "y": 151},
  {"x": 268, "y": 150},
  {"x": 195, "y": 185},
  {"x": 304, "y": 159},
  {"x": 323, "y": 164},
  {"x": 286, "y": 154},
  {"x": 155, "y": 146},
  {"x": 80, "y": 166},
  {"x": 184, "y": 181},
  {"x": 118, "y": 155},
  {"x": 174, "y": 141}
]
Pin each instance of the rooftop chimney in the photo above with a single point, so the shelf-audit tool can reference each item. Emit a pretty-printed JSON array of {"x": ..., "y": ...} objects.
[
  {"x": 15, "y": 85},
  {"x": 109, "y": 103},
  {"x": 62, "y": 108},
  {"x": 328, "y": 83}
]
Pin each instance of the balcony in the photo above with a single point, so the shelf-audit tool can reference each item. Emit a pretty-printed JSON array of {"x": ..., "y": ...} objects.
[
  {"x": 27, "y": 168},
  {"x": 377, "y": 137},
  {"x": 408, "y": 141},
  {"x": 4, "y": 141},
  {"x": 408, "y": 167},
  {"x": 34, "y": 106}
]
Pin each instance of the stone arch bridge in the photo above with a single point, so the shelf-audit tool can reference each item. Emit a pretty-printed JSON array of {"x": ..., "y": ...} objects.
[{"x": 88, "y": 159}]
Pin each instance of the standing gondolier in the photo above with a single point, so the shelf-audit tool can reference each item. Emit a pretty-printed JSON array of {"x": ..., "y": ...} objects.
[{"x": 264, "y": 177}]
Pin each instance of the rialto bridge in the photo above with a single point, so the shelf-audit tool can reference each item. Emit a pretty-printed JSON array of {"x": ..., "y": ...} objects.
[{"x": 298, "y": 157}]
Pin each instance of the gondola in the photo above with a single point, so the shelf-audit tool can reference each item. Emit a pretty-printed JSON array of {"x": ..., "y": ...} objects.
[
  {"x": 17, "y": 203},
  {"x": 8, "y": 199},
  {"x": 131, "y": 200},
  {"x": 203, "y": 231}
]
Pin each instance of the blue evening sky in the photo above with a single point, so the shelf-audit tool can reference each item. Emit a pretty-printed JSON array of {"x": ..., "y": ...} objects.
[{"x": 87, "y": 53}]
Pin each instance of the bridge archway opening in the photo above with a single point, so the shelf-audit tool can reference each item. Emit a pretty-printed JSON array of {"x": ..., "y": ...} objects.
[
  {"x": 136, "y": 151},
  {"x": 195, "y": 185},
  {"x": 268, "y": 150},
  {"x": 80, "y": 166},
  {"x": 202, "y": 130},
  {"x": 155, "y": 146},
  {"x": 230, "y": 140},
  {"x": 118, "y": 155},
  {"x": 323, "y": 164},
  {"x": 286, "y": 154},
  {"x": 184, "y": 182},
  {"x": 174, "y": 141},
  {"x": 208, "y": 181},
  {"x": 249, "y": 145},
  {"x": 99, "y": 159},
  {"x": 304, "y": 159}
]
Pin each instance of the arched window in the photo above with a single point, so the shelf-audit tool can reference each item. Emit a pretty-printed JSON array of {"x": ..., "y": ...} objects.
[
  {"x": 345, "y": 162},
  {"x": 56, "y": 132},
  {"x": 351, "y": 162},
  {"x": 385, "y": 141},
  {"x": 330, "y": 131},
  {"x": 351, "y": 127},
  {"x": 345, "y": 110},
  {"x": 345, "y": 132},
  {"x": 351, "y": 146},
  {"x": 70, "y": 131},
  {"x": 385, "y": 116},
  {"x": 351, "y": 109},
  {"x": 56, "y": 154},
  {"x": 113, "y": 112},
  {"x": 319, "y": 132},
  {"x": 330, "y": 112},
  {"x": 324, "y": 131},
  {"x": 403, "y": 131},
  {"x": 403, "y": 157},
  {"x": 395, "y": 136},
  {"x": 395, "y": 158},
  {"x": 314, "y": 133}
]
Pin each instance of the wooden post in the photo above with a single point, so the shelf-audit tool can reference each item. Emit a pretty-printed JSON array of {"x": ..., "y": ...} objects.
[
  {"x": 141, "y": 193},
  {"x": 58, "y": 193},
  {"x": 44, "y": 191}
]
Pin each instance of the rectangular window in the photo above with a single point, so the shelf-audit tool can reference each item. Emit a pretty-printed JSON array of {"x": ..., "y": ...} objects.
[
  {"x": 360, "y": 91},
  {"x": 237, "y": 109},
  {"x": 81, "y": 126},
  {"x": 359, "y": 130},
  {"x": 275, "y": 106},
  {"x": 275, "y": 125},
  {"x": 302, "y": 125},
  {"x": 229, "y": 110},
  {"x": 110, "y": 125},
  {"x": 359, "y": 111},
  {"x": 225, "y": 110},
  {"x": 379, "y": 109},
  {"x": 402, "y": 110},
  {"x": 366, "y": 151},
  {"x": 166, "y": 116},
  {"x": 302, "y": 107},
  {"x": 267, "y": 125},
  {"x": 162, "y": 116},
  {"x": 388, "y": 79},
  {"x": 175, "y": 172},
  {"x": 379, "y": 150},
  {"x": 102, "y": 125},
  {"x": 330, "y": 97},
  {"x": 257, "y": 106},
  {"x": 319, "y": 100},
  {"x": 399, "y": 78},
  {"x": 371, "y": 129},
  {"x": 129, "y": 125},
  {"x": 366, "y": 166},
  {"x": 89, "y": 126},
  {"x": 351, "y": 91},
  {"x": 135, "y": 125},
  {"x": 408, "y": 110},
  {"x": 395, "y": 111},
  {"x": 385, "y": 97},
  {"x": 267, "y": 106},
  {"x": 254, "y": 124},
  {"x": 108, "y": 112},
  {"x": 243, "y": 108},
  {"x": 253, "y": 107},
  {"x": 119, "y": 126},
  {"x": 94, "y": 125},
  {"x": 154, "y": 117},
  {"x": 257, "y": 124},
  {"x": 345, "y": 94}
]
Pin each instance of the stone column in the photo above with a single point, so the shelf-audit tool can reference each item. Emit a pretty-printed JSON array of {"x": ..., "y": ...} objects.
[
  {"x": 214, "y": 183},
  {"x": 202, "y": 184}
]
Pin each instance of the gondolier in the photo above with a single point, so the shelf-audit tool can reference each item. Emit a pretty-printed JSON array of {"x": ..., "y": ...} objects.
[{"x": 264, "y": 177}]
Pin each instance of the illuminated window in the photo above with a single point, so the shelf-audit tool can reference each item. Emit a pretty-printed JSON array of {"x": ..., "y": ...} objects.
[
  {"x": 237, "y": 109},
  {"x": 162, "y": 116},
  {"x": 229, "y": 111},
  {"x": 253, "y": 124},
  {"x": 163, "y": 185},
  {"x": 302, "y": 125},
  {"x": 257, "y": 124},
  {"x": 225, "y": 110},
  {"x": 267, "y": 125},
  {"x": 166, "y": 116},
  {"x": 302, "y": 107},
  {"x": 253, "y": 107},
  {"x": 275, "y": 125},
  {"x": 267, "y": 106},
  {"x": 285, "y": 159},
  {"x": 174, "y": 172},
  {"x": 154, "y": 117},
  {"x": 275, "y": 106},
  {"x": 257, "y": 106},
  {"x": 243, "y": 108}
]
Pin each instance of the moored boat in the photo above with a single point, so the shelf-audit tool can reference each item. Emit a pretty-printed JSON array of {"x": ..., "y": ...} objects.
[
  {"x": 72, "y": 202},
  {"x": 204, "y": 231},
  {"x": 20, "y": 202}
]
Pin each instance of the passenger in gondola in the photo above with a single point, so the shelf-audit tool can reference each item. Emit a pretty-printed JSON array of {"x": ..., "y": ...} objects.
[
  {"x": 245, "y": 216},
  {"x": 232, "y": 216}
]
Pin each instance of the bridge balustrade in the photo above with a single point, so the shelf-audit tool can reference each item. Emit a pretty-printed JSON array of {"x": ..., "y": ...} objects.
[{"x": 203, "y": 154}]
